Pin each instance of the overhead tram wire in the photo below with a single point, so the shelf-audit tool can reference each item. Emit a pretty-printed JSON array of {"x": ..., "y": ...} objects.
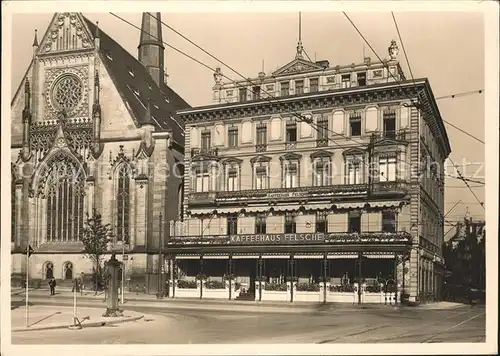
[
  {"x": 300, "y": 117},
  {"x": 465, "y": 179},
  {"x": 415, "y": 104},
  {"x": 453, "y": 96},
  {"x": 411, "y": 73},
  {"x": 465, "y": 132},
  {"x": 403, "y": 46},
  {"x": 294, "y": 113},
  {"x": 413, "y": 79},
  {"x": 443, "y": 97},
  {"x": 466, "y": 183}
]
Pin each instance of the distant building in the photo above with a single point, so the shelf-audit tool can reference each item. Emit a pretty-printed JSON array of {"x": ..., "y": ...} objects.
[
  {"x": 91, "y": 127},
  {"x": 465, "y": 257},
  {"x": 300, "y": 174}
]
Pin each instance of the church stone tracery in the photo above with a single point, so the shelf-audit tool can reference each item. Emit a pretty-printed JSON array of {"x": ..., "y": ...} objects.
[{"x": 66, "y": 88}]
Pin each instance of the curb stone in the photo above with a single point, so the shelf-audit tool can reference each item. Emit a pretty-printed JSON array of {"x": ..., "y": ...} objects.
[{"x": 84, "y": 325}]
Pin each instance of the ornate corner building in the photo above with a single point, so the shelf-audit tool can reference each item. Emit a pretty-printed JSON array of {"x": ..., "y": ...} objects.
[
  {"x": 93, "y": 128},
  {"x": 315, "y": 173}
]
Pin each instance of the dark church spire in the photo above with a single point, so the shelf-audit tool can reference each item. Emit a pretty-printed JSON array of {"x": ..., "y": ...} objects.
[{"x": 151, "y": 49}]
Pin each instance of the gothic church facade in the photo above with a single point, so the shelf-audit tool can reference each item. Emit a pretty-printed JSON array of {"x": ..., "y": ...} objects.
[{"x": 92, "y": 127}]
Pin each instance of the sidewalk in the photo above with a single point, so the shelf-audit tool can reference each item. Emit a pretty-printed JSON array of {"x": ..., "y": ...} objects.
[
  {"x": 441, "y": 305},
  {"x": 131, "y": 297},
  {"x": 61, "y": 317}
]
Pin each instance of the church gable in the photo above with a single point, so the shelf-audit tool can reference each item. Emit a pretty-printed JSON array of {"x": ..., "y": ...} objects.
[
  {"x": 67, "y": 32},
  {"x": 17, "y": 106},
  {"x": 297, "y": 66}
]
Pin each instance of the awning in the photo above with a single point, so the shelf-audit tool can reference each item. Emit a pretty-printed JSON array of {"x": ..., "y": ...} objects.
[
  {"x": 276, "y": 256},
  {"x": 352, "y": 205},
  {"x": 216, "y": 257},
  {"x": 384, "y": 204},
  {"x": 342, "y": 255},
  {"x": 318, "y": 256},
  {"x": 245, "y": 257},
  {"x": 379, "y": 255},
  {"x": 187, "y": 257}
]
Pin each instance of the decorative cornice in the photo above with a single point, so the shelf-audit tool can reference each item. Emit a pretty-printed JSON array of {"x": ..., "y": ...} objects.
[
  {"x": 306, "y": 102},
  {"x": 321, "y": 154},
  {"x": 291, "y": 157},
  {"x": 232, "y": 160},
  {"x": 353, "y": 152},
  {"x": 260, "y": 158}
]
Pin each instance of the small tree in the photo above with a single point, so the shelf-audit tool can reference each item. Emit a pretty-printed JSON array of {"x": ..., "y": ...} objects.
[{"x": 96, "y": 237}]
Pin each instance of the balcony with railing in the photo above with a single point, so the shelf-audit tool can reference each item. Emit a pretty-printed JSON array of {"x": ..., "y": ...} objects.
[
  {"x": 337, "y": 238},
  {"x": 279, "y": 194},
  {"x": 261, "y": 147},
  {"x": 394, "y": 135},
  {"x": 322, "y": 142}
]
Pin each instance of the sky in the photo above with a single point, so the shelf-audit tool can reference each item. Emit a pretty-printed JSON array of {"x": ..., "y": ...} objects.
[{"x": 445, "y": 47}]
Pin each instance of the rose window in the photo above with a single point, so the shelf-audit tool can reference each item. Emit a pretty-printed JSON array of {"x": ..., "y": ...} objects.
[{"x": 67, "y": 92}]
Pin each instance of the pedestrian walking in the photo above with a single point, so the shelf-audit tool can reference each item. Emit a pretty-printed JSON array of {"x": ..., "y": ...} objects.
[{"x": 52, "y": 286}]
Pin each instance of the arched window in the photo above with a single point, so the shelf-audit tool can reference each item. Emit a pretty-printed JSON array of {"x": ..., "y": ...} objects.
[
  {"x": 123, "y": 203},
  {"x": 68, "y": 271},
  {"x": 65, "y": 194},
  {"x": 48, "y": 270}
]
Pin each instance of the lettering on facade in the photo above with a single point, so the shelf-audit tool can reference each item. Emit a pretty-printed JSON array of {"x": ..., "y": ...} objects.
[
  {"x": 286, "y": 195},
  {"x": 277, "y": 238}
]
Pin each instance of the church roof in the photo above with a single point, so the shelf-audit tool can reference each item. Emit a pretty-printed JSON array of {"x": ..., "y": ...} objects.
[{"x": 137, "y": 87}]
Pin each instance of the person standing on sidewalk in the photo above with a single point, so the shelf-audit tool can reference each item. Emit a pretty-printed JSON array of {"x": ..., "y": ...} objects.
[{"x": 52, "y": 285}]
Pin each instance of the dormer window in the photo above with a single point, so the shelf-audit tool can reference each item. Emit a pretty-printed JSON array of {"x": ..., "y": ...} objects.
[
  {"x": 313, "y": 85},
  {"x": 256, "y": 92},
  {"x": 361, "y": 77},
  {"x": 243, "y": 94},
  {"x": 346, "y": 81},
  {"x": 285, "y": 88},
  {"x": 299, "y": 87}
]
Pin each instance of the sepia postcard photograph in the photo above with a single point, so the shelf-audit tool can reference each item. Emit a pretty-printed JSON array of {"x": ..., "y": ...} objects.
[{"x": 259, "y": 177}]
